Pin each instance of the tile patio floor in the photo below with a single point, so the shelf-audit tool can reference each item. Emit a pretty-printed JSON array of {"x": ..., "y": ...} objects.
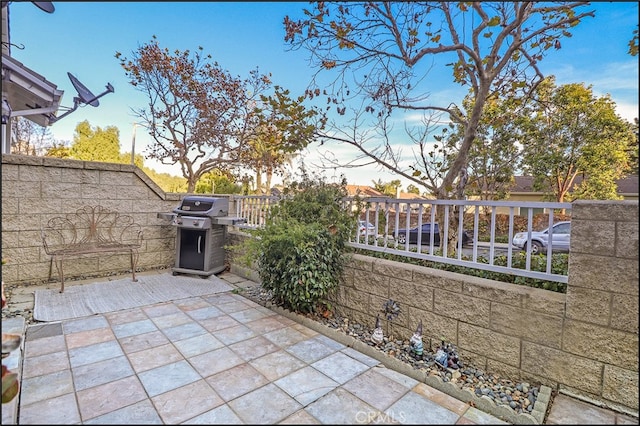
[{"x": 220, "y": 359}]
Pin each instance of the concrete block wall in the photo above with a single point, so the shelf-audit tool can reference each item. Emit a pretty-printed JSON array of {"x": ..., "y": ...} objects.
[
  {"x": 601, "y": 319},
  {"x": 34, "y": 189}
]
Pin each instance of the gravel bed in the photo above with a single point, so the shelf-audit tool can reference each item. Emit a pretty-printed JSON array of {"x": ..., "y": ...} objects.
[{"x": 519, "y": 396}]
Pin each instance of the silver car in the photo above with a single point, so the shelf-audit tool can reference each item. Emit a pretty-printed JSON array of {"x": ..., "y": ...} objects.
[
  {"x": 365, "y": 228},
  {"x": 560, "y": 239}
]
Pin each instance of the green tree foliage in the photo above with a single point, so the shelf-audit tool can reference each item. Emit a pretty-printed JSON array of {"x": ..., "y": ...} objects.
[
  {"x": 58, "y": 150},
  {"x": 166, "y": 181},
  {"x": 633, "y": 43},
  {"x": 572, "y": 133},
  {"x": 284, "y": 127},
  {"x": 412, "y": 189},
  {"x": 95, "y": 144},
  {"x": 495, "y": 153},
  {"x": 380, "y": 54},
  {"x": 218, "y": 182},
  {"x": 387, "y": 188},
  {"x": 301, "y": 251},
  {"x": 633, "y": 149},
  {"x": 125, "y": 158}
]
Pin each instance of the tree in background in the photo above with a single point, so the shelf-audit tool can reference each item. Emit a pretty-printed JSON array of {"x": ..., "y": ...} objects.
[
  {"x": 95, "y": 144},
  {"x": 633, "y": 43},
  {"x": 284, "y": 127},
  {"x": 381, "y": 54},
  {"x": 571, "y": 133},
  {"x": 495, "y": 153},
  {"x": 218, "y": 182},
  {"x": 412, "y": 189},
  {"x": 138, "y": 159},
  {"x": 58, "y": 150},
  {"x": 199, "y": 115},
  {"x": 633, "y": 149},
  {"x": 166, "y": 181},
  {"x": 387, "y": 188},
  {"x": 29, "y": 138}
]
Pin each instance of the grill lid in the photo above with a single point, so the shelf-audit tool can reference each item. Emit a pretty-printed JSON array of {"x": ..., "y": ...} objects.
[{"x": 195, "y": 205}]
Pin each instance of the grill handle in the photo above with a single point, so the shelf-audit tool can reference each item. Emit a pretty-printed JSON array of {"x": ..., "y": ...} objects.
[{"x": 199, "y": 241}]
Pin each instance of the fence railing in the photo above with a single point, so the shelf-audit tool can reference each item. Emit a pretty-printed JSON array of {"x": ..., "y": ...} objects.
[
  {"x": 489, "y": 225},
  {"x": 253, "y": 208}
]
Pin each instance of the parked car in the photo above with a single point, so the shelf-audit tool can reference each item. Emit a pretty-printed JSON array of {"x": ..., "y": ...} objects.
[
  {"x": 426, "y": 235},
  {"x": 365, "y": 228},
  {"x": 561, "y": 234}
]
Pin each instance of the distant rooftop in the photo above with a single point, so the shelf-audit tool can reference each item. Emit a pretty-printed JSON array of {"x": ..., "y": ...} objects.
[{"x": 627, "y": 185}]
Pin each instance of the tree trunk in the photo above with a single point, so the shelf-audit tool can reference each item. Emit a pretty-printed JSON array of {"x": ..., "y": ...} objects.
[
  {"x": 453, "y": 222},
  {"x": 269, "y": 174}
]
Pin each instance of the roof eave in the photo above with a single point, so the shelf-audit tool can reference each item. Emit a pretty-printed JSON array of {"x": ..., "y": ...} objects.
[{"x": 28, "y": 93}]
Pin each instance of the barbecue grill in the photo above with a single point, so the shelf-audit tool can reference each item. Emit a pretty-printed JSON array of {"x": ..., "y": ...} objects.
[{"x": 201, "y": 223}]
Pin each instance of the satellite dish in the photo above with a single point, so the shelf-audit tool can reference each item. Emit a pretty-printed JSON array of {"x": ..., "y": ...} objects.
[
  {"x": 47, "y": 6},
  {"x": 85, "y": 95}
]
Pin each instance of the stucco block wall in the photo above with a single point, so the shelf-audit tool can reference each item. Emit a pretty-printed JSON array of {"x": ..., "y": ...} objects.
[
  {"x": 601, "y": 321},
  {"x": 34, "y": 189}
]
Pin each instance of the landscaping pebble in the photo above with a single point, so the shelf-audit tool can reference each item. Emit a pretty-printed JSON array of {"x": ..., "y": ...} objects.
[{"x": 518, "y": 396}]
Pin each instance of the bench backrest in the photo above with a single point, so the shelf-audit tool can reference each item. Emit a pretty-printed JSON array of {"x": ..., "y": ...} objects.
[{"x": 91, "y": 225}]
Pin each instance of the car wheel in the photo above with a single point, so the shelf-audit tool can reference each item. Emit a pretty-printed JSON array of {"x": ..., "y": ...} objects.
[
  {"x": 536, "y": 247},
  {"x": 402, "y": 238}
]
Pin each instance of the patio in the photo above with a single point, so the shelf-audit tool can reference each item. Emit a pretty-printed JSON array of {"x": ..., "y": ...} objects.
[{"x": 213, "y": 359}]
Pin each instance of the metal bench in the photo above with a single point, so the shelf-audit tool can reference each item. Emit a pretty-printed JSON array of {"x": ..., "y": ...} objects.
[{"x": 90, "y": 230}]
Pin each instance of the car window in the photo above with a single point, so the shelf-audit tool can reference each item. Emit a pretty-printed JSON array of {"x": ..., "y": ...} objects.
[{"x": 563, "y": 228}]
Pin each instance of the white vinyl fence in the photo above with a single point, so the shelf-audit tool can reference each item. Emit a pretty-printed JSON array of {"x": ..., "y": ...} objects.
[{"x": 393, "y": 217}]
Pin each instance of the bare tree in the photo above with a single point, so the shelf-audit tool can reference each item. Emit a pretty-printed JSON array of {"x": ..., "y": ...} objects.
[
  {"x": 383, "y": 52},
  {"x": 28, "y": 138}
]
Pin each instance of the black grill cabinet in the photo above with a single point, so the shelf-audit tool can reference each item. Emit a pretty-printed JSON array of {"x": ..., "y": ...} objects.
[{"x": 201, "y": 223}]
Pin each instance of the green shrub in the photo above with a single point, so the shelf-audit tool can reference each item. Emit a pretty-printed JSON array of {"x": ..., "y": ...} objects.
[
  {"x": 301, "y": 251},
  {"x": 559, "y": 265}
]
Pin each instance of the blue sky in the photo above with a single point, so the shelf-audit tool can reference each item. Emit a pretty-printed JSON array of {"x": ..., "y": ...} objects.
[{"x": 83, "y": 37}]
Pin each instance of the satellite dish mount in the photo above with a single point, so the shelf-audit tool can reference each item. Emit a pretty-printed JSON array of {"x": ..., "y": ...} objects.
[{"x": 85, "y": 96}]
